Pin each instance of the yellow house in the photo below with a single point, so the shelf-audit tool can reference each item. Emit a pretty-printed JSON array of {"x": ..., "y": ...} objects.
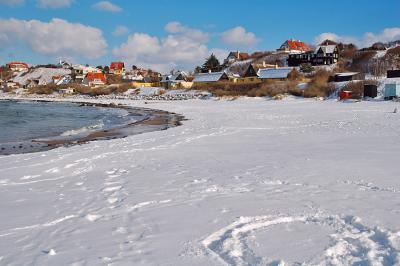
[
  {"x": 249, "y": 76},
  {"x": 137, "y": 84},
  {"x": 204, "y": 79}
]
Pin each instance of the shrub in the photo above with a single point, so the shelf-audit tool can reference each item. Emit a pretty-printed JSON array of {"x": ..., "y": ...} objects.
[
  {"x": 319, "y": 85},
  {"x": 43, "y": 89},
  {"x": 306, "y": 68},
  {"x": 268, "y": 88}
]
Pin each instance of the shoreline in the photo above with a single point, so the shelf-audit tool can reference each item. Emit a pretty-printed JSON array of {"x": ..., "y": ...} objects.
[{"x": 156, "y": 120}]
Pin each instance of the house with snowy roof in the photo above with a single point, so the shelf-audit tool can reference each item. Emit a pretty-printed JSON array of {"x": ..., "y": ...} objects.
[
  {"x": 176, "y": 80},
  {"x": 274, "y": 73},
  {"x": 203, "y": 79},
  {"x": 62, "y": 79},
  {"x": 117, "y": 68},
  {"x": 326, "y": 53}
]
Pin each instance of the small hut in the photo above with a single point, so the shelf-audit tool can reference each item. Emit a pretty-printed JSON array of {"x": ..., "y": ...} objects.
[
  {"x": 348, "y": 76},
  {"x": 370, "y": 91},
  {"x": 393, "y": 74},
  {"x": 392, "y": 90}
]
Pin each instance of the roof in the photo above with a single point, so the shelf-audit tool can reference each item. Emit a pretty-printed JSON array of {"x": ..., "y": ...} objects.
[
  {"x": 326, "y": 49},
  {"x": 346, "y": 74},
  {"x": 328, "y": 42},
  {"x": 93, "y": 76},
  {"x": 117, "y": 65},
  {"x": 274, "y": 73},
  {"x": 18, "y": 63},
  {"x": 296, "y": 45},
  {"x": 208, "y": 77},
  {"x": 181, "y": 75}
]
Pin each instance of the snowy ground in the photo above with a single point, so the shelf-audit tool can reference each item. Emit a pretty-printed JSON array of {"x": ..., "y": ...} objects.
[{"x": 245, "y": 182}]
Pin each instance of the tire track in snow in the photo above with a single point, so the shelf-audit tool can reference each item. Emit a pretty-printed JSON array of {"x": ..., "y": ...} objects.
[{"x": 352, "y": 243}]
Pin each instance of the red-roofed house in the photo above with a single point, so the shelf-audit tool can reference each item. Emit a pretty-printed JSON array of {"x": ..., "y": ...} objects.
[
  {"x": 117, "y": 68},
  {"x": 293, "y": 45},
  {"x": 18, "y": 66},
  {"x": 95, "y": 79}
]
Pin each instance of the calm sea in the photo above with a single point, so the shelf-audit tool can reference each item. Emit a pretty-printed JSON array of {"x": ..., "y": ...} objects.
[{"x": 22, "y": 121}]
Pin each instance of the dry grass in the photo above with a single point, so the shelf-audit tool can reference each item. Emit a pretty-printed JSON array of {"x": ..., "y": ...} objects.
[
  {"x": 270, "y": 88},
  {"x": 319, "y": 85}
]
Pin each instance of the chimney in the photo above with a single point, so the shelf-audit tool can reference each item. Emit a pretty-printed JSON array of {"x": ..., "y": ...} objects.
[
  {"x": 238, "y": 55},
  {"x": 264, "y": 64},
  {"x": 276, "y": 66}
]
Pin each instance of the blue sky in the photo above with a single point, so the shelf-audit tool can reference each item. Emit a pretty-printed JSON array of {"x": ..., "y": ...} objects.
[{"x": 195, "y": 28}]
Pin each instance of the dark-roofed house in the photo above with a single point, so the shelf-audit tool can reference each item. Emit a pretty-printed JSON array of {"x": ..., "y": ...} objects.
[
  {"x": 327, "y": 53},
  {"x": 235, "y": 56},
  {"x": 274, "y": 73},
  {"x": 247, "y": 75}
]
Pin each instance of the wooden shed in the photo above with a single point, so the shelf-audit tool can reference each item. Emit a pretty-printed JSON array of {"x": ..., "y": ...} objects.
[
  {"x": 370, "y": 91},
  {"x": 392, "y": 90},
  {"x": 393, "y": 73},
  {"x": 348, "y": 76}
]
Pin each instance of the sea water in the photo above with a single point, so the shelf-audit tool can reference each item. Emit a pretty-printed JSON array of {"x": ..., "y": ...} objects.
[{"x": 22, "y": 121}]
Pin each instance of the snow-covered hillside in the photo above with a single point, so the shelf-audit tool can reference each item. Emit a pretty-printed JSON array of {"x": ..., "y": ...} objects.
[
  {"x": 44, "y": 75},
  {"x": 245, "y": 182}
]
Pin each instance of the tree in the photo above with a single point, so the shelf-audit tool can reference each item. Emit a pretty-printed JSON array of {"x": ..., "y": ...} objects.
[
  {"x": 106, "y": 69},
  {"x": 306, "y": 68},
  {"x": 197, "y": 69},
  {"x": 212, "y": 64},
  {"x": 100, "y": 67},
  {"x": 134, "y": 67}
]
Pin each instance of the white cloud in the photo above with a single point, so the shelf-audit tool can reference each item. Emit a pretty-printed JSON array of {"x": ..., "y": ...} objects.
[
  {"x": 120, "y": 30},
  {"x": 54, "y": 3},
  {"x": 107, "y": 6},
  {"x": 12, "y": 2},
  {"x": 238, "y": 36},
  {"x": 57, "y": 38},
  {"x": 195, "y": 34},
  {"x": 179, "y": 50},
  {"x": 387, "y": 35},
  {"x": 334, "y": 37},
  {"x": 369, "y": 38}
]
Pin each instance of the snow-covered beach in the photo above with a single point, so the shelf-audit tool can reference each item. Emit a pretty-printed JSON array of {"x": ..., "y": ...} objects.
[{"x": 244, "y": 182}]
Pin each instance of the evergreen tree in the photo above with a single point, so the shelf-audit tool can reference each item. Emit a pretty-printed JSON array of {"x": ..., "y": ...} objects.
[
  {"x": 106, "y": 69},
  {"x": 212, "y": 64}
]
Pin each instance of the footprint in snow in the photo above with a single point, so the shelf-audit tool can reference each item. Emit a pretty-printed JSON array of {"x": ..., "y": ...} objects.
[
  {"x": 349, "y": 235},
  {"x": 93, "y": 217}
]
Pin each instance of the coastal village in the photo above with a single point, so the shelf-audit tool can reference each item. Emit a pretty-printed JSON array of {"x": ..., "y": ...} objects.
[{"x": 328, "y": 69}]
